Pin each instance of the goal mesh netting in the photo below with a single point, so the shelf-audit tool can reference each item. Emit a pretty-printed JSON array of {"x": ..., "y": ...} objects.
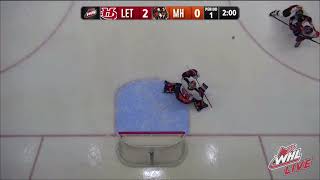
[{"x": 138, "y": 149}]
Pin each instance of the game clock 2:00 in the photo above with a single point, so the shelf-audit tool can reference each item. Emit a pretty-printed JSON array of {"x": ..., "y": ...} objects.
[{"x": 228, "y": 12}]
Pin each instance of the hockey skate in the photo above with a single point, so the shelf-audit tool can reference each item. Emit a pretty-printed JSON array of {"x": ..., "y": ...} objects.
[
  {"x": 274, "y": 13},
  {"x": 297, "y": 44},
  {"x": 199, "y": 105}
]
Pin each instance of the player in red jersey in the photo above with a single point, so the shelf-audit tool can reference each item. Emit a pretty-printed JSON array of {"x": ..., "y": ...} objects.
[
  {"x": 187, "y": 91},
  {"x": 300, "y": 24}
]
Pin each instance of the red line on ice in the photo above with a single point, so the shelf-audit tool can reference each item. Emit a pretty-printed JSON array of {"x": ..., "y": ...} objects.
[
  {"x": 273, "y": 57},
  {"x": 116, "y": 135},
  {"x": 36, "y": 158},
  {"x": 265, "y": 156}
]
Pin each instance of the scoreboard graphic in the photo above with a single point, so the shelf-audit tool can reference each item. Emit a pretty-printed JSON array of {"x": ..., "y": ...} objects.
[{"x": 160, "y": 13}]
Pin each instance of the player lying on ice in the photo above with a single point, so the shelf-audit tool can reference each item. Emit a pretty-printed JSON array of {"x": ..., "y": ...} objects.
[
  {"x": 187, "y": 91},
  {"x": 299, "y": 23}
]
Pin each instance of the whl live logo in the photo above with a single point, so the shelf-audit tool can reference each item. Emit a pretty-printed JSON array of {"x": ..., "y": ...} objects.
[{"x": 289, "y": 158}]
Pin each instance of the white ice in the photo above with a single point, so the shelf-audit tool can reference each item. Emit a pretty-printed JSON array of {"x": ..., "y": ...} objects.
[{"x": 259, "y": 84}]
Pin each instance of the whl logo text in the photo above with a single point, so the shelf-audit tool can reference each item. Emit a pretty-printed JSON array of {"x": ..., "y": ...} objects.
[{"x": 289, "y": 157}]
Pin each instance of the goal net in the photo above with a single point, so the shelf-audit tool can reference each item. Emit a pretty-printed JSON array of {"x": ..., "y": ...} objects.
[{"x": 138, "y": 149}]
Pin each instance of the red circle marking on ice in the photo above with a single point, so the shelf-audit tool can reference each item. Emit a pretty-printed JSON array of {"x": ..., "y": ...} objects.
[
  {"x": 26, "y": 57},
  {"x": 272, "y": 56}
]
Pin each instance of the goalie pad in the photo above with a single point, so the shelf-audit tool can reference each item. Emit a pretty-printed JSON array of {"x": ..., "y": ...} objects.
[
  {"x": 199, "y": 105},
  {"x": 169, "y": 87}
]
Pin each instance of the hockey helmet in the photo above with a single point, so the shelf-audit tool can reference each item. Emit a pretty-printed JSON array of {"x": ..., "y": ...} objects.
[
  {"x": 307, "y": 29},
  {"x": 299, "y": 11}
]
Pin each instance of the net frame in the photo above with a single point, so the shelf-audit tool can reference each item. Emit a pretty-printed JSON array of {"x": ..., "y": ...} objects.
[{"x": 160, "y": 148}]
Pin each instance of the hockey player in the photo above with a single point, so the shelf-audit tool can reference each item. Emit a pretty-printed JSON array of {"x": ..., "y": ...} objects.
[
  {"x": 299, "y": 23},
  {"x": 187, "y": 91},
  {"x": 295, "y": 11},
  {"x": 304, "y": 30}
]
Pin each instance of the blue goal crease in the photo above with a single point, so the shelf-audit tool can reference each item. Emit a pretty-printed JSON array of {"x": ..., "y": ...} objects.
[{"x": 142, "y": 106}]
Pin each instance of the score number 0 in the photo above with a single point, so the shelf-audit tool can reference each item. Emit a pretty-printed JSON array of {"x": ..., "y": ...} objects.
[{"x": 197, "y": 13}]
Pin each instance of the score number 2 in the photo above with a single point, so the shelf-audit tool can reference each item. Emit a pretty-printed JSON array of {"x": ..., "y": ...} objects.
[{"x": 145, "y": 14}]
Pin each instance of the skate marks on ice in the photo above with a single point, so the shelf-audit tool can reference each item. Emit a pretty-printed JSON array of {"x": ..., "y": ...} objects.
[
  {"x": 276, "y": 39},
  {"x": 142, "y": 106}
]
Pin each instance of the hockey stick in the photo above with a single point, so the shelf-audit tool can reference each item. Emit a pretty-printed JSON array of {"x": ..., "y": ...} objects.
[
  {"x": 203, "y": 92},
  {"x": 288, "y": 25}
]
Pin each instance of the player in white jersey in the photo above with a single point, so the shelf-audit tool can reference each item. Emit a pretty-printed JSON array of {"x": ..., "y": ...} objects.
[
  {"x": 299, "y": 23},
  {"x": 306, "y": 30},
  {"x": 294, "y": 10},
  {"x": 187, "y": 91}
]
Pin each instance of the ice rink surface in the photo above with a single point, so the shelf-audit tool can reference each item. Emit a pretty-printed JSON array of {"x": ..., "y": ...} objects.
[{"x": 60, "y": 74}]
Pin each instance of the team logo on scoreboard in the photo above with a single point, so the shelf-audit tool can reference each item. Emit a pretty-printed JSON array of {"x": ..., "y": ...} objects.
[
  {"x": 108, "y": 13},
  {"x": 160, "y": 13},
  {"x": 90, "y": 13}
]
